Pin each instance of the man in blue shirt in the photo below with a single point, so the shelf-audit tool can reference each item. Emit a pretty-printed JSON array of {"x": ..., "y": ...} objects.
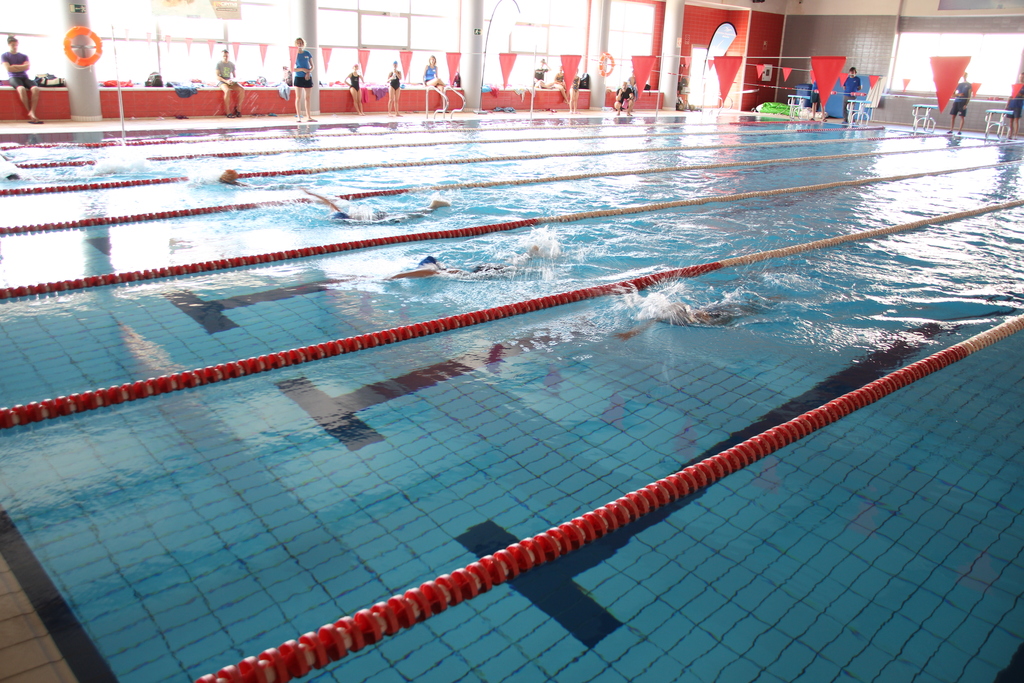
[
  {"x": 961, "y": 97},
  {"x": 851, "y": 91}
]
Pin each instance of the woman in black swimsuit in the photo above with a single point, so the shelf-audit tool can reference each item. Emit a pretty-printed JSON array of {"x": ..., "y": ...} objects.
[
  {"x": 394, "y": 89},
  {"x": 353, "y": 87}
]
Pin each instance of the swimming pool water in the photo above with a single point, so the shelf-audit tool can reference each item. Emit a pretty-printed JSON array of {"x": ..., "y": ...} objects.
[{"x": 190, "y": 530}]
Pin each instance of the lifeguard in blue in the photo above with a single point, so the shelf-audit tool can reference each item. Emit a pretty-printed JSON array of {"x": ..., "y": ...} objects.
[
  {"x": 851, "y": 90},
  {"x": 303, "y": 79}
]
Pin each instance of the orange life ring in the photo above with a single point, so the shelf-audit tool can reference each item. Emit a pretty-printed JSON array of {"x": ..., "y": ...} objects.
[
  {"x": 607, "y": 65},
  {"x": 83, "y": 62}
]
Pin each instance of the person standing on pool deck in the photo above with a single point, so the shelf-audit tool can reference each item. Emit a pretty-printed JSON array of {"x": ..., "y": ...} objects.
[
  {"x": 851, "y": 90},
  {"x": 353, "y": 88},
  {"x": 17, "y": 65},
  {"x": 394, "y": 89},
  {"x": 574, "y": 96},
  {"x": 303, "y": 79},
  {"x": 960, "y": 99},
  {"x": 226, "y": 77},
  {"x": 1015, "y": 105}
]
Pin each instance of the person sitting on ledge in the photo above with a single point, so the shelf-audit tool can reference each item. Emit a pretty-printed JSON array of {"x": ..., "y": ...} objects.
[
  {"x": 363, "y": 214},
  {"x": 226, "y": 78},
  {"x": 17, "y": 65}
]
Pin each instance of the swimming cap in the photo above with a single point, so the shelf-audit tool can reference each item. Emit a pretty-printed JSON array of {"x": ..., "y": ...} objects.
[
  {"x": 229, "y": 176},
  {"x": 429, "y": 261}
]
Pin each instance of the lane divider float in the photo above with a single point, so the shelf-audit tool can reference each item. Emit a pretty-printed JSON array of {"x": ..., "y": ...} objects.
[
  {"x": 460, "y": 128},
  {"x": 53, "y": 408},
  {"x": 443, "y": 162},
  {"x": 475, "y": 231},
  {"x": 432, "y": 143},
  {"x": 42, "y": 227},
  {"x": 331, "y": 642}
]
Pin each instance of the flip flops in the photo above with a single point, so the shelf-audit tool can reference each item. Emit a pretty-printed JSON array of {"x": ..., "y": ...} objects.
[{"x": 35, "y": 121}]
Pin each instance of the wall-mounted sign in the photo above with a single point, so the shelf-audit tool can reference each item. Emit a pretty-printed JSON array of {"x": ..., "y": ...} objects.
[{"x": 77, "y": 9}]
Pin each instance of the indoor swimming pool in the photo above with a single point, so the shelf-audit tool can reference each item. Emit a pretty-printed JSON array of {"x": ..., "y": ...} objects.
[{"x": 178, "y": 534}]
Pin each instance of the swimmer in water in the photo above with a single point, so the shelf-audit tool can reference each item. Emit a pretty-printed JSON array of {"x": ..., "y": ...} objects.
[
  {"x": 365, "y": 215},
  {"x": 430, "y": 266},
  {"x": 230, "y": 177},
  {"x": 8, "y": 170},
  {"x": 715, "y": 315}
]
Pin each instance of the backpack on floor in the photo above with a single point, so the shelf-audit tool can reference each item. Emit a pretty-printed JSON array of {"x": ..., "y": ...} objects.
[{"x": 155, "y": 80}]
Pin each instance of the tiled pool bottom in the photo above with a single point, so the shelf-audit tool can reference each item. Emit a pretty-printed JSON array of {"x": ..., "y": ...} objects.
[{"x": 194, "y": 529}]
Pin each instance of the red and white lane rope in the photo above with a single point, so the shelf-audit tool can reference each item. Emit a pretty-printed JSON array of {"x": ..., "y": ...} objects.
[
  {"x": 56, "y": 164},
  {"x": 460, "y": 128},
  {"x": 48, "y": 189},
  {"x": 332, "y": 642},
  {"x": 142, "y": 217},
  {"x": 433, "y": 143},
  {"x": 160, "y": 215},
  {"x": 304, "y": 252},
  {"x": 354, "y": 148},
  {"x": 47, "y": 409}
]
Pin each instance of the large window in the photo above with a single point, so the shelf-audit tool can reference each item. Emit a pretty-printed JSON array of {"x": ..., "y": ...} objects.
[
  {"x": 994, "y": 60},
  {"x": 533, "y": 30},
  {"x": 631, "y": 32},
  {"x": 142, "y": 45}
]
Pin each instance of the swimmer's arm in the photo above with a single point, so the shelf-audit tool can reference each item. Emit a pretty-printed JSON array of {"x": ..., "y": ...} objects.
[
  {"x": 629, "y": 334},
  {"x": 323, "y": 199},
  {"x": 423, "y": 272}
]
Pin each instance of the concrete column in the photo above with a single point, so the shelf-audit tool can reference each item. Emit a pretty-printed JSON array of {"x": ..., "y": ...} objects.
[
  {"x": 306, "y": 21},
  {"x": 472, "y": 48},
  {"x": 671, "y": 47},
  {"x": 83, "y": 91},
  {"x": 600, "y": 20}
]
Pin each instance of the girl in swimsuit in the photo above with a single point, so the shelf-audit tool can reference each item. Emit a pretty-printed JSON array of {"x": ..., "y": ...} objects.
[
  {"x": 559, "y": 84},
  {"x": 430, "y": 77},
  {"x": 353, "y": 87},
  {"x": 574, "y": 96},
  {"x": 394, "y": 89}
]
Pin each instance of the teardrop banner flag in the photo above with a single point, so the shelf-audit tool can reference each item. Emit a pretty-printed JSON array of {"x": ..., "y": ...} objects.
[
  {"x": 825, "y": 71},
  {"x": 453, "y": 66},
  {"x": 760, "y": 70},
  {"x": 167, "y": 42},
  {"x": 507, "y": 60},
  {"x": 785, "y": 73},
  {"x": 906, "y": 82},
  {"x": 188, "y": 46},
  {"x": 326, "y": 52},
  {"x": 872, "y": 80},
  {"x": 642, "y": 70},
  {"x": 570, "y": 63},
  {"x": 975, "y": 87},
  {"x": 364, "y": 59},
  {"x": 293, "y": 53},
  {"x": 727, "y": 67},
  {"x": 263, "y": 53},
  {"x": 947, "y": 72},
  {"x": 210, "y": 43},
  {"x": 1015, "y": 89},
  {"x": 406, "y": 57},
  {"x": 234, "y": 47}
]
